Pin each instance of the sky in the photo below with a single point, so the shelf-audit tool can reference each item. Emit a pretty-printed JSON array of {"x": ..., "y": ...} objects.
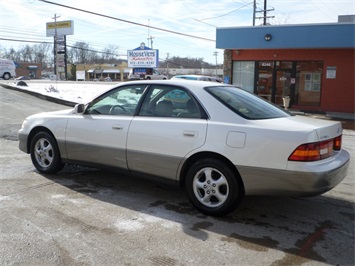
[{"x": 26, "y": 20}]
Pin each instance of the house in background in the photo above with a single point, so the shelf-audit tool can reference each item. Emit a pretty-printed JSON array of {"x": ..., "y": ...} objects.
[{"x": 311, "y": 64}]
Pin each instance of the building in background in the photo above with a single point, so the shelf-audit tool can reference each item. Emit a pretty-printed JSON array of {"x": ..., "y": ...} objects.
[
  {"x": 312, "y": 65},
  {"x": 31, "y": 70}
]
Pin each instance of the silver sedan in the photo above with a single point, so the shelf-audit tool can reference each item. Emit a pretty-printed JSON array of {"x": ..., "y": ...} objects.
[{"x": 218, "y": 141}]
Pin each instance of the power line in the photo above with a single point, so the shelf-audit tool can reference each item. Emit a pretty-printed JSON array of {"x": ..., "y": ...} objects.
[
  {"x": 71, "y": 46},
  {"x": 16, "y": 40},
  {"x": 226, "y": 14},
  {"x": 127, "y": 21}
]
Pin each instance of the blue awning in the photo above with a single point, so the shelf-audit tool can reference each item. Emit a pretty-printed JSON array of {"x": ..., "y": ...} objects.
[{"x": 305, "y": 36}]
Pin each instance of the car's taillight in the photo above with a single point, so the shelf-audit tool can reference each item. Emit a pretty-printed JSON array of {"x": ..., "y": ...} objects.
[
  {"x": 315, "y": 151},
  {"x": 337, "y": 143}
]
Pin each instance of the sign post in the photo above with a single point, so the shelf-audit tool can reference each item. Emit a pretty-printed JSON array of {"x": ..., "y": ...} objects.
[{"x": 59, "y": 30}]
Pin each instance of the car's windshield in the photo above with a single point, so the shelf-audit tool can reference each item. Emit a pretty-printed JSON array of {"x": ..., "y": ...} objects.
[{"x": 246, "y": 104}]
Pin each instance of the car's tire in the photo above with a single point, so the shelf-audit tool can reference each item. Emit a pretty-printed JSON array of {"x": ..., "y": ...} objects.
[
  {"x": 45, "y": 154},
  {"x": 213, "y": 188},
  {"x": 6, "y": 76},
  {"x": 148, "y": 78}
]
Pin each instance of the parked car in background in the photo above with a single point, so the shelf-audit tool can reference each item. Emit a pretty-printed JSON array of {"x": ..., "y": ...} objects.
[
  {"x": 198, "y": 77},
  {"x": 22, "y": 78},
  {"x": 107, "y": 79},
  {"x": 216, "y": 140},
  {"x": 7, "y": 69},
  {"x": 145, "y": 73}
]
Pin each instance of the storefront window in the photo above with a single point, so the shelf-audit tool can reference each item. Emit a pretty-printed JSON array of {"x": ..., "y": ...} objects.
[
  {"x": 243, "y": 74},
  {"x": 308, "y": 83}
]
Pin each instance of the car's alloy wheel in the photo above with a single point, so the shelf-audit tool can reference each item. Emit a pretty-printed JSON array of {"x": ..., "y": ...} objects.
[
  {"x": 212, "y": 187},
  {"x": 45, "y": 153}
]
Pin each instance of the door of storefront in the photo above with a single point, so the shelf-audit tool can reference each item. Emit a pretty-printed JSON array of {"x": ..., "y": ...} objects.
[
  {"x": 274, "y": 80},
  {"x": 282, "y": 86}
]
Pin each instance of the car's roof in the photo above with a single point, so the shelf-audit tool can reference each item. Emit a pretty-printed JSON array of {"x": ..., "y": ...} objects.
[
  {"x": 194, "y": 76},
  {"x": 191, "y": 84}
]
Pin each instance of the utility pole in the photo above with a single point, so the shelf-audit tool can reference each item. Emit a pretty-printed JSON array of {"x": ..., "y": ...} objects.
[
  {"x": 254, "y": 10},
  {"x": 265, "y": 10},
  {"x": 150, "y": 38},
  {"x": 167, "y": 65},
  {"x": 265, "y": 4},
  {"x": 151, "y": 41},
  {"x": 215, "y": 54},
  {"x": 55, "y": 46}
]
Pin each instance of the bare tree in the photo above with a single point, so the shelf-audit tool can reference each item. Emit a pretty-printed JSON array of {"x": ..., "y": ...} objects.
[
  {"x": 109, "y": 53},
  {"x": 41, "y": 53},
  {"x": 26, "y": 54},
  {"x": 80, "y": 52}
]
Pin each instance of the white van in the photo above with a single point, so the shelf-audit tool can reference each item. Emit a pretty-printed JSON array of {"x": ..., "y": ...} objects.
[
  {"x": 145, "y": 73},
  {"x": 7, "y": 69}
]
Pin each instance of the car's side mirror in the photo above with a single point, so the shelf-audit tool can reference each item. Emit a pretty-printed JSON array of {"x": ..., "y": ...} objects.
[{"x": 79, "y": 108}]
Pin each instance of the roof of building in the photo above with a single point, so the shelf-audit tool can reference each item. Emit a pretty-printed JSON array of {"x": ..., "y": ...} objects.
[{"x": 304, "y": 36}]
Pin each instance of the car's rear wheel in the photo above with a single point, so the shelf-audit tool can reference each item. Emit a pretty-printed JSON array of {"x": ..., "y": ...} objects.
[
  {"x": 148, "y": 78},
  {"x": 45, "y": 154},
  {"x": 212, "y": 187}
]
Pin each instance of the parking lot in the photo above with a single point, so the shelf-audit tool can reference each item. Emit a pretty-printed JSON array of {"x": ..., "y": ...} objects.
[{"x": 85, "y": 216}]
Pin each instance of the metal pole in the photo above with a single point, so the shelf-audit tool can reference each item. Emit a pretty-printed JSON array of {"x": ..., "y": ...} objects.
[
  {"x": 254, "y": 9},
  {"x": 215, "y": 54},
  {"x": 55, "y": 45},
  {"x": 265, "y": 11}
]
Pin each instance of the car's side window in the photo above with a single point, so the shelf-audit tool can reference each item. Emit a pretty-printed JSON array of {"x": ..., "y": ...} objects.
[
  {"x": 120, "y": 101},
  {"x": 169, "y": 101}
]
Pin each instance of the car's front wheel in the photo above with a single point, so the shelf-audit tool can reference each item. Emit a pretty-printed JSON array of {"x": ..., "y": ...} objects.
[
  {"x": 212, "y": 187},
  {"x": 6, "y": 76},
  {"x": 45, "y": 154}
]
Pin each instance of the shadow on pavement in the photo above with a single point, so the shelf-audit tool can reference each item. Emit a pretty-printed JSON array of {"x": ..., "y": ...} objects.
[{"x": 303, "y": 228}]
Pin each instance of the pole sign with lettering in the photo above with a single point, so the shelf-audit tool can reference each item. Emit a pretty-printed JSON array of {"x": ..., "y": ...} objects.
[
  {"x": 62, "y": 27},
  {"x": 143, "y": 56}
]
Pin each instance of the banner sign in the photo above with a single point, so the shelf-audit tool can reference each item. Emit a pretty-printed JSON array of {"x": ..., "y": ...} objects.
[
  {"x": 63, "y": 28},
  {"x": 143, "y": 56}
]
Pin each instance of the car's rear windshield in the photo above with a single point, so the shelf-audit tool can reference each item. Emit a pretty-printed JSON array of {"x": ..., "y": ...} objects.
[{"x": 245, "y": 103}]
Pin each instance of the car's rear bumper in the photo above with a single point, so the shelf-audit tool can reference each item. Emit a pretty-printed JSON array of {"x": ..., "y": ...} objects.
[{"x": 301, "y": 179}]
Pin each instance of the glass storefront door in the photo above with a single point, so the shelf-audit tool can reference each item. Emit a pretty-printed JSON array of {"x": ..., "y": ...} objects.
[
  {"x": 282, "y": 86},
  {"x": 265, "y": 84},
  {"x": 264, "y": 77},
  {"x": 274, "y": 80}
]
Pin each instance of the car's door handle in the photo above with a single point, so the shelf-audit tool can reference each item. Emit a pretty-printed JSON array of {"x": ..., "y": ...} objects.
[
  {"x": 118, "y": 127},
  {"x": 189, "y": 133}
]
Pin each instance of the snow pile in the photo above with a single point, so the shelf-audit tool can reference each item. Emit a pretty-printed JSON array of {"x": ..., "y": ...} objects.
[{"x": 69, "y": 91}]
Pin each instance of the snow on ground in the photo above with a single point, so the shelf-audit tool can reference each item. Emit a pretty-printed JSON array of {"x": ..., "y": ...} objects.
[{"x": 79, "y": 92}]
